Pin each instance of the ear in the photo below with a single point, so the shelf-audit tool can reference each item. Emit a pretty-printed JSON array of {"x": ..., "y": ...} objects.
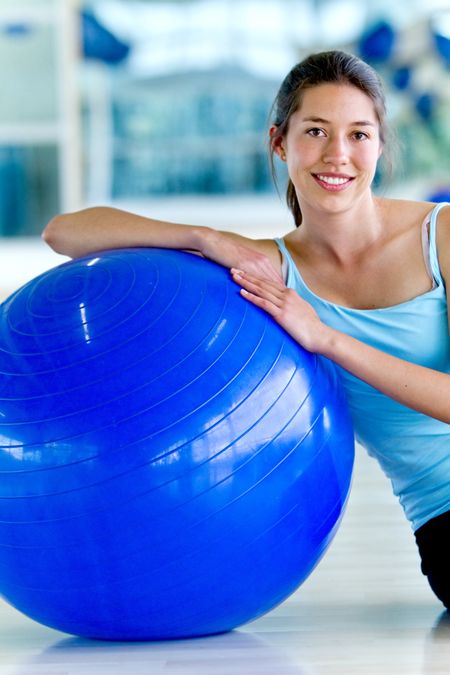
[{"x": 276, "y": 142}]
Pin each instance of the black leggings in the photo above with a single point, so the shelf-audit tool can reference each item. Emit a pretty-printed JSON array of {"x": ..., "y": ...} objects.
[{"x": 433, "y": 540}]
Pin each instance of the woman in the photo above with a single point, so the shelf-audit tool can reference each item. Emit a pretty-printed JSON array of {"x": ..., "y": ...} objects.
[{"x": 361, "y": 280}]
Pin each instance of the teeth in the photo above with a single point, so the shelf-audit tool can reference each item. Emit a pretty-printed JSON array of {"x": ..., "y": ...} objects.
[{"x": 331, "y": 180}]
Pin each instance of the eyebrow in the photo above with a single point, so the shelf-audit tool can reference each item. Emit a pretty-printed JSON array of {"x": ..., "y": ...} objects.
[{"x": 321, "y": 120}]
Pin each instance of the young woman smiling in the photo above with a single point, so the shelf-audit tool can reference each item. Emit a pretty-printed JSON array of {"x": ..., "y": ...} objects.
[{"x": 361, "y": 280}]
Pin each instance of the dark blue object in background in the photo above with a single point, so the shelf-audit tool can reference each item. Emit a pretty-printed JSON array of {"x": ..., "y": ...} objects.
[
  {"x": 442, "y": 44},
  {"x": 425, "y": 104},
  {"x": 99, "y": 43},
  {"x": 172, "y": 463},
  {"x": 401, "y": 77},
  {"x": 377, "y": 43},
  {"x": 439, "y": 195}
]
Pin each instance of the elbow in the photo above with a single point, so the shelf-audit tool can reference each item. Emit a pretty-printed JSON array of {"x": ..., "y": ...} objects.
[
  {"x": 65, "y": 232},
  {"x": 54, "y": 234},
  {"x": 71, "y": 233}
]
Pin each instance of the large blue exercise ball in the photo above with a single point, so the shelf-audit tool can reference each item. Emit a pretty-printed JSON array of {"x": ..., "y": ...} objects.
[{"x": 172, "y": 463}]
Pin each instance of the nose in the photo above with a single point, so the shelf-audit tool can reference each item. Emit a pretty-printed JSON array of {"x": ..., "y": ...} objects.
[{"x": 336, "y": 151}]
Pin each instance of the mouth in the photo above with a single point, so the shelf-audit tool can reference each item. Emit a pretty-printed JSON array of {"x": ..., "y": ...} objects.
[{"x": 333, "y": 182}]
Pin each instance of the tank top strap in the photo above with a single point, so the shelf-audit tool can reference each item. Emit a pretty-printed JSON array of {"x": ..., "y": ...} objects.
[
  {"x": 434, "y": 260},
  {"x": 286, "y": 260}
]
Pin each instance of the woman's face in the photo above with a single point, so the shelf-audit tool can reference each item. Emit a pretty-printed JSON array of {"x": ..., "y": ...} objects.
[{"x": 332, "y": 147}]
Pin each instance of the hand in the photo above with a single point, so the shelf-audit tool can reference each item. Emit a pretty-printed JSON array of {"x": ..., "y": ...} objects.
[
  {"x": 289, "y": 310},
  {"x": 227, "y": 250}
]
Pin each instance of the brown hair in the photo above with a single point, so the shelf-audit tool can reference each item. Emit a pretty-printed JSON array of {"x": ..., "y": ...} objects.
[{"x": 323, "y": 67}]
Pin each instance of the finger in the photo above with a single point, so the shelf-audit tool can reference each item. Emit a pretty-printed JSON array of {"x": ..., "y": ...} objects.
[
  {"x": 248, "y": 276},
  {"x": 264, "y": 303},
  {"x": 263, "y": 292},
  {"x": 256, "y": 284},
  {"x": 259, "y": 286},
  {"x": 267, "y": 274}
]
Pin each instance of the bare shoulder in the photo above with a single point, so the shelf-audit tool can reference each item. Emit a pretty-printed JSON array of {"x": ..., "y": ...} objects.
[
  {"x": 444, "y": 220},
  {"x": 405, "y": 212},
  {"x": 411, "y": 214}
]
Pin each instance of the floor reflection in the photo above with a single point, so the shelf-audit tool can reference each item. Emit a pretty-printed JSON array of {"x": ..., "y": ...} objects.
[
  {"x": 437, "y": 647},
  {"x": 231, "y": 653}
]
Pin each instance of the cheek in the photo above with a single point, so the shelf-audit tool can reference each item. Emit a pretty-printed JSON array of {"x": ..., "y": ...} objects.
[
  {"x": 369, "y": 157},
  {"x": 302, "y": 155}
]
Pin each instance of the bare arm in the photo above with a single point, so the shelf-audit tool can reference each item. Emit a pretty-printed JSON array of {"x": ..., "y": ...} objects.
[
  {"x": 423, "y": 389},
  {"x": 420, "y": 388},
  {"x": 98, "y": 228}
]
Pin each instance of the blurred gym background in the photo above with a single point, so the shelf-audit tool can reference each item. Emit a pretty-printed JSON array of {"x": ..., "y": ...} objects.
[{"x": 161, "y": 107}]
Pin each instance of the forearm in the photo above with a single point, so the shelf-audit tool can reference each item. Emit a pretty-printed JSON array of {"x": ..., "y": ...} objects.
[
  {"x": 94, "y": 229},
  {"x": 100, "y": 228},
  {"x": 420, "y": 388}
]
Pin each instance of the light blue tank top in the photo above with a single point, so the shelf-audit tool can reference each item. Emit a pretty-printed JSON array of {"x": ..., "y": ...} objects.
[{"x": 412, "y": 449}]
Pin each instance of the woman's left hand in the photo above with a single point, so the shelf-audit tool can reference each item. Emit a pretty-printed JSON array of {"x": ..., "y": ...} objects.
[{"x": 289, "y": 310}]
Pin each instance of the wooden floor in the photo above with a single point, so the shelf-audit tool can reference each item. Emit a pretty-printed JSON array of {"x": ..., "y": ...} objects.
[{"x": 365, "y": 610}]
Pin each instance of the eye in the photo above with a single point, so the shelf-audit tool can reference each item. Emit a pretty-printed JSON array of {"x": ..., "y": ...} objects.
[
  {"x": 316, "y": 132},
  {"x": 360, "y": 135}
]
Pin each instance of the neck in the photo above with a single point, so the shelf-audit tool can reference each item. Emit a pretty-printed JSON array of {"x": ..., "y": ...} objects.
[{"x": 343, "y": 236}]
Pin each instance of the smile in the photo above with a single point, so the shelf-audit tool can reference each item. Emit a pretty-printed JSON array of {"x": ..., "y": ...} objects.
[{"x": 333, "y": 183}]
